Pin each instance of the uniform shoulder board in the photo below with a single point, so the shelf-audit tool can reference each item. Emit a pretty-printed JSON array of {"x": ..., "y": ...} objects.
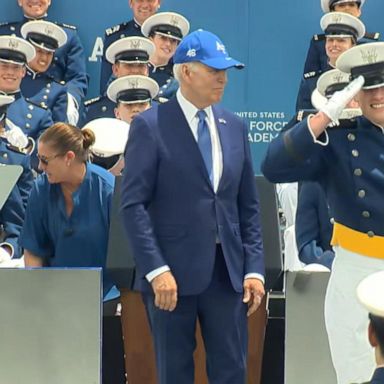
[
  {"x": 372, "y": 36},
  {"x": 319, "y": 37},
  {"x": 112, "y": 30},
  {"x": 5, "y": 23},
  {"x": 69, "y": 26},
  {"x": 36, "y": 104},
  {"x": 92, "y": 101},
  {"x": 310, "y": 75}
]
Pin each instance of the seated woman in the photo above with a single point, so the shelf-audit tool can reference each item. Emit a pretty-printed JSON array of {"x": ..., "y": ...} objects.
[
  {"x": 67, "y": 219},
  {"x": 68, "y": 213}
]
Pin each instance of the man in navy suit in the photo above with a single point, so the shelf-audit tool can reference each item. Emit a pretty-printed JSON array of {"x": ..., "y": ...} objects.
[{"x": 191, "y": 213}]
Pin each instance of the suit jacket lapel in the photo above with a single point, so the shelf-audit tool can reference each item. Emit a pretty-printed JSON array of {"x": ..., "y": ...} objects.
[
  {"x": 225, "y": 141},
  {"x": 171, "y": 113}
]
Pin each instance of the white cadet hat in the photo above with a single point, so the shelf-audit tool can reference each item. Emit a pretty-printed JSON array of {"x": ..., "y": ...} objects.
[
  {"x": 5, "y": 100},
  {"x": 370, "y": 293},
  {"x": 44, "y": 34},
  {"x": 366, "y": 60},
  {"x": 332, "y": 81},
  {"x": 16, "y": 50},
  {"x": 132, "y": 89},
  {"x": 133, "y": 49},
  {"x": 326, "y": 5},
  {"x": 329, "y": 83},
  {"x": 340, "y": 24},
  {"x": 111, "y": 136},
  {"x": 168, "y": 24}
]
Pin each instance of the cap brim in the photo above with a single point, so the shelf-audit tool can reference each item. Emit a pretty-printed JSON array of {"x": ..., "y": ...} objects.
[{"x": 223, "y": 63}]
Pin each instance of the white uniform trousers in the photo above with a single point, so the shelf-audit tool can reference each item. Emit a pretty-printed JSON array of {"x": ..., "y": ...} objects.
[{"x": 346, "y": 320}]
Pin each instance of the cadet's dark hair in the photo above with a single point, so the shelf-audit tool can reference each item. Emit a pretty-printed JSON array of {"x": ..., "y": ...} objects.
[
  {"x": 378, "y": 328},
  {"x": 358, "y": 2},
  {"x": 66, "y": 137}
]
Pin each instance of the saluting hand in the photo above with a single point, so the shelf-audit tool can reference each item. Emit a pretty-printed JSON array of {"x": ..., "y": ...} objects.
[
  {"x": 165, "y": 289},
  {"x": 253, "y": 294}
]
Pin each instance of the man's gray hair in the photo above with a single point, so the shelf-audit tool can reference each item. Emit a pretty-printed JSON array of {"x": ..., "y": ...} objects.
[{"x": 177, "y": 69}]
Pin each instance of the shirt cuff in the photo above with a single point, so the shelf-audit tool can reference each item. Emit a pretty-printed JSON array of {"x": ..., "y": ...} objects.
[
  {"x": 156, "y": 272},
  {"x": 255, "y": 276},
  {"x": 323, "y": 143},
  {"x": 10, "y": 246}
]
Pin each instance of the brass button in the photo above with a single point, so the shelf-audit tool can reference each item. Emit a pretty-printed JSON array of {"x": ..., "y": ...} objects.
[
  {"x": 12, "y": 28},
  {"x": 5, "y": 155},
  {"x": 351, "y": 137},
  {"x": 28, "y": 125},
  {"x": 371, "y": 234},
  {"x": 103, "y": 108},
  {"x": 30, "y": 107},
  {"x": 47, "y": 91},
  {"x": 49, "y": 85},
  {"x": 366, "y": 214},
  {"x": 332, "y": 220},
  {"x": 45, "y": 97},
  {"x": 29, "y": 116},
  {"x": 358, "y": 172},
  {"x": 361, "y": 193},
  {"x": 355, "y": 153}
]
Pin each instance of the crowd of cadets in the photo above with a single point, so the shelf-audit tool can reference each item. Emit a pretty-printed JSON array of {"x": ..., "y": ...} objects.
[{"x": 43, "y": 80}]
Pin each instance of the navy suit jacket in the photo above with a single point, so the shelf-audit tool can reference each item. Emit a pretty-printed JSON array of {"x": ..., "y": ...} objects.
[{"x": 172, "y": 214}]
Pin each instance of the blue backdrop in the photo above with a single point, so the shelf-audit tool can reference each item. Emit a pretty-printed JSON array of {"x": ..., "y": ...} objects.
[{"x": 270, "y": 37}]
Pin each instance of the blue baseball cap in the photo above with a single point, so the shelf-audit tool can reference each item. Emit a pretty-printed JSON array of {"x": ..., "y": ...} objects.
[{"x": 206, "y": 48}]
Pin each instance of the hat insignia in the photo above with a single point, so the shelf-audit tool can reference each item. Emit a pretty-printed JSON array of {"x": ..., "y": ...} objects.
[
  {"x": 174, "y": 21},
  {"x": 338, "y": 78},
  {"x": 369, "y": 56},
  {"x": 191, "y": 53},
  {"x": 13, "y": 44},
  {"x": 134, "y": 84},
  {"x": 337, "y": 19},
  {"x": 220, "y": 47},
  {"x": 48, "y": 31},
  {"x": 136, "y": 44}
]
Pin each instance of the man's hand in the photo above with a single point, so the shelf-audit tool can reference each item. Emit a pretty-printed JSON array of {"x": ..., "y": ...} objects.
[
  {"x": 336, "y": 104},
  {"x": 253, "y": 294},
  {"x": 165, "y": 289}
]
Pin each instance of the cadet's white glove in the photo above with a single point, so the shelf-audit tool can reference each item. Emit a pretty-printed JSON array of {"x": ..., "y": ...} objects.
[
  {"x": 72, "y": 110},
  {"x": 339, "y": 100},
  {"x": 4, "y": 256},
  {"x": 15, "y": 135}
]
